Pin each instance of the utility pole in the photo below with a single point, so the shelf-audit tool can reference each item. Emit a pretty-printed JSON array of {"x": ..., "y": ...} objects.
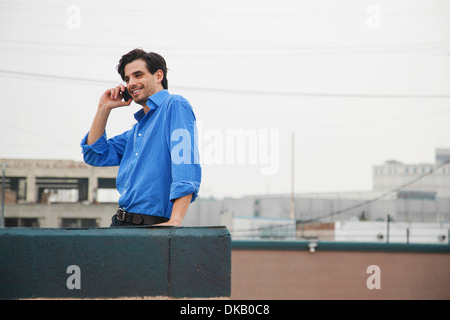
[
  {"x": 387, "y": 231},
  {"x": 2, "y": 219},
  {"x": 292, "y": 213}
]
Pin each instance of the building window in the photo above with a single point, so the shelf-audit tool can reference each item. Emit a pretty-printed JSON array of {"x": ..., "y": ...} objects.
[
  {"x": 22, "y": 222},
  {"x": 107, "y": 191},
  {"x": 78, "y": 223},
  {"x": 61, "y": 190},
  {"x": 15, "y": 189}
]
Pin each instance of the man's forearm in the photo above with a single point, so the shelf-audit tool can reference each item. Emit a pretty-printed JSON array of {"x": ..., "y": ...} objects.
[
  {"x": 179, "y": 209},
  {"x": 99, "y": 124},
  {"x": 111, "y": 98}
]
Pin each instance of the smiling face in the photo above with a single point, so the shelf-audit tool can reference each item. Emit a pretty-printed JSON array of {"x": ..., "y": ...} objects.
[{"x": 141, "y": 84}]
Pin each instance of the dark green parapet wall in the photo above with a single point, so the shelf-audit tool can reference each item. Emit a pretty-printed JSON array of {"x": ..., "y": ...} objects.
[
  {"x": 115, "y": 262},
  {"x": 339, "y": 246}
]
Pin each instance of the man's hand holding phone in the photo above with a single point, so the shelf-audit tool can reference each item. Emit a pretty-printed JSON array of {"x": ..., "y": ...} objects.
[
  {"x": 115, "y": 97},
  {"x": 110, "y": 99}
]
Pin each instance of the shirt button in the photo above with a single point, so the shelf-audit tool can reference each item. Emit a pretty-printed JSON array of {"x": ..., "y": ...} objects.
[
  {"x": 139, "y": 134},
  {"x": 136, "y": 154}
]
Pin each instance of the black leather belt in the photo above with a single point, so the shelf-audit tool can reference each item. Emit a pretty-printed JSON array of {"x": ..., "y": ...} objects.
[{"x": 136, "y": 218}]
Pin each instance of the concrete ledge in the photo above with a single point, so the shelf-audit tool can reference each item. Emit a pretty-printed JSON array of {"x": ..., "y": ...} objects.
[
  {"x": 115, "y": 262},
  {"x": 339, "y": 246}
]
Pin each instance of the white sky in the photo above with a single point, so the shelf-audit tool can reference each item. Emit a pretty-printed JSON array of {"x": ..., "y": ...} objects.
[{"x": 353, "y": 73}]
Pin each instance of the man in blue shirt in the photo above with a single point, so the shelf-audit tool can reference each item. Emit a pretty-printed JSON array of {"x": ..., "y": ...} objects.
[{"x": 159, "y": 171}]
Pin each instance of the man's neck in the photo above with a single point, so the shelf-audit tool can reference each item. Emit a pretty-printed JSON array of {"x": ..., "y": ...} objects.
[{"x": 144, "y": 104}]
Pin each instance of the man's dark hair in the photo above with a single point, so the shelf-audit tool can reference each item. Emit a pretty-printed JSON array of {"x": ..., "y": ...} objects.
[{"x": 153, "y": 61}]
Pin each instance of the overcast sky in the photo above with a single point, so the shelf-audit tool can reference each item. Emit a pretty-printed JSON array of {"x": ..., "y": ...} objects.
[{"x": 358, "y": 82}]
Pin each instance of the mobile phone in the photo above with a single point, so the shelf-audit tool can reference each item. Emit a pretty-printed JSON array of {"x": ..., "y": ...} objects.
[{"x": 126, "y": 95}]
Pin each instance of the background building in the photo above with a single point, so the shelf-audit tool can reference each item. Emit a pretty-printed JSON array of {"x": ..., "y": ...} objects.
[
  {"x": 57, "y": 193},
  {"x": 62, "y": 193},
  {"x": 434, "y": 184}
]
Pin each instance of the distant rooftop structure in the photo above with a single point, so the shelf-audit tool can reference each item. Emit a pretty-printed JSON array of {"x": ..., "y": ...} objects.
[
  {"x": 436, "y": 181},
  {"x": 442, "y": 155},
  {"x": 34, "y": 180},
  {"x": 393, "y": 162}
]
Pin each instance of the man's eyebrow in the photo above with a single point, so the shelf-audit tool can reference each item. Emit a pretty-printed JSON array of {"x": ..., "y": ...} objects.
[{"x": 134, "y": 73}]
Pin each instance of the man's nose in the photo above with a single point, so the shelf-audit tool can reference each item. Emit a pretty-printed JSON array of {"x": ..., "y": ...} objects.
[{"x": 131, "y": 83}]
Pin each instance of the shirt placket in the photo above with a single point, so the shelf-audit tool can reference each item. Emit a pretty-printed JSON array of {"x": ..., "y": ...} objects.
[
  {"x": 137, "y": 143},
  {"x": 139, "y": 137}
]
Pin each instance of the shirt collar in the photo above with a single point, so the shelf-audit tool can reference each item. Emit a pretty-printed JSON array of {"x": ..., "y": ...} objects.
[
  {"x": 153, "y": 102},
  {"x": 156, "y": 99},
  {"x": 139, "y": 115}
]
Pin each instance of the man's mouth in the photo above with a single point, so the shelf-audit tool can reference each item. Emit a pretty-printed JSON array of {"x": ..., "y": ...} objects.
[{"x": 136, "y": 91}]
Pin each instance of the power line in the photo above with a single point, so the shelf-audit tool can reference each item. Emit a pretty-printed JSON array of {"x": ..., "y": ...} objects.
[
  {"x": 335, "y": 213},
  {"x": 212, "y": 14},
  {"x": 54, "y": 77},
  {"x": 368, "y": 121},
  {"x": 395, "y": 46},
  {"x": 34, "y": 133},
  {"x": 233, "y": 91},
  {"x": 403, "y": 186},
  {"x": 290, "y": 50},
  {"x": 62, "y": 44},
  {"x": 315, "y": 94}
]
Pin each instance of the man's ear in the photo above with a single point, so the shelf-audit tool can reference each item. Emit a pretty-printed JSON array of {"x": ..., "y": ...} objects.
[{"x": 159, "y": 74}]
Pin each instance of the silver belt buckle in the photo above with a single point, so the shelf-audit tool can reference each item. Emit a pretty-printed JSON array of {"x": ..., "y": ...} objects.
[{"x": 121, "y": 214}]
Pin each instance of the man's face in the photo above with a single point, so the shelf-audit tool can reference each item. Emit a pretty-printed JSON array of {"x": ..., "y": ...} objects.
[{"x": 141, "y": 84}]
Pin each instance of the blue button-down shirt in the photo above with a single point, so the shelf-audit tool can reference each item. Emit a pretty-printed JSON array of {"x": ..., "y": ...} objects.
[{"x": 158, "y": 158}]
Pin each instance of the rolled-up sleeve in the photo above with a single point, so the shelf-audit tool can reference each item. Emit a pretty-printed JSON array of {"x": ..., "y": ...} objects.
[
  {"x": 186, "y": 170},
  {"x": 104, "y": 152}
]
